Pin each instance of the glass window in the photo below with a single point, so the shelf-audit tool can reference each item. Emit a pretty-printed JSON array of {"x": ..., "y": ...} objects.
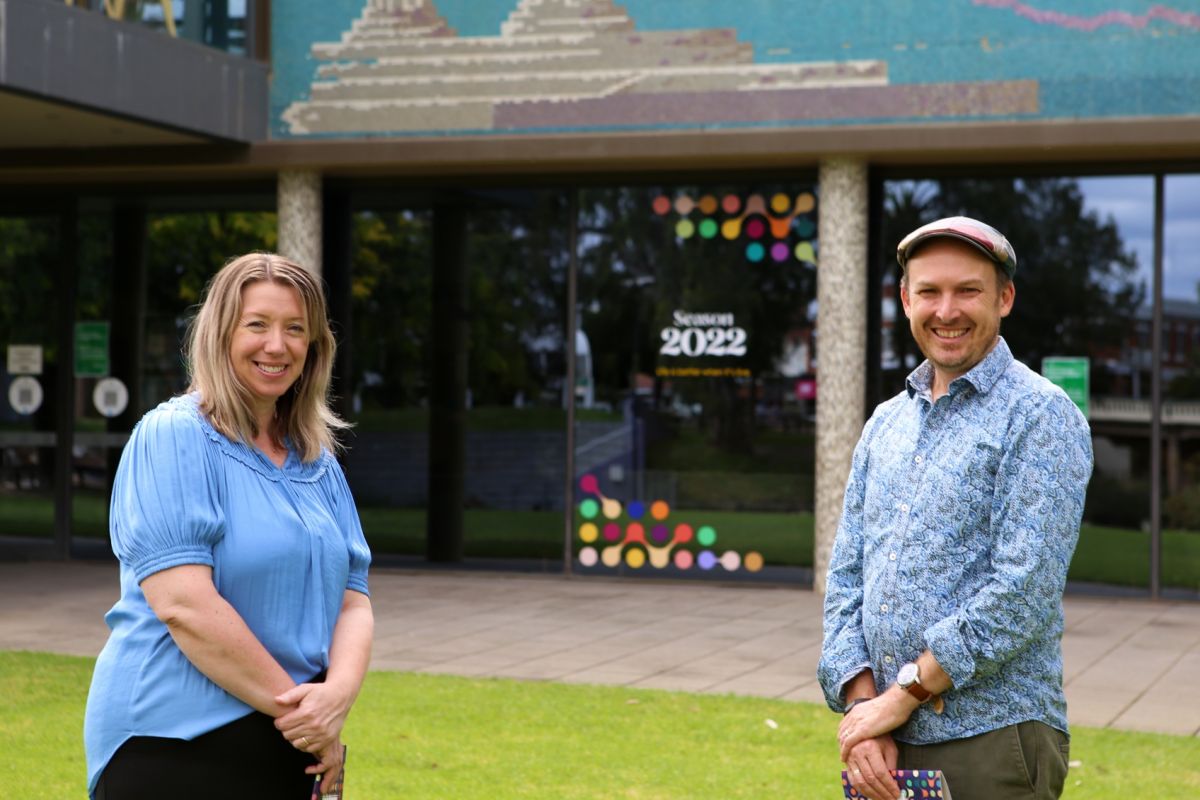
[
  {"x": 1181, "y": 385},
  {"x": 517, "y": 258},
  {"x": 694, "y": 443},
  {"x": 28, "y": 320},
  {"x": 1084, "y": 282}
]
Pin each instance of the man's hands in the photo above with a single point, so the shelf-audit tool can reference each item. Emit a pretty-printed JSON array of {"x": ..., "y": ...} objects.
[
  {"x": 869, "y": 767},
  {"x": 882, "y": 715}
]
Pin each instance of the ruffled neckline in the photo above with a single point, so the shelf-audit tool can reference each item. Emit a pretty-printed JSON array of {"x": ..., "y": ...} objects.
[{"x": 293, "y": 468}]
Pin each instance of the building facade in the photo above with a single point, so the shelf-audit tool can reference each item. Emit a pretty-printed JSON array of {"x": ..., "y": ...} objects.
[{"x": 613, "y": 282}]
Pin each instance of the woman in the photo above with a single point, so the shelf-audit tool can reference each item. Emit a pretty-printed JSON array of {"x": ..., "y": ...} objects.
[{"x": 244, "y": 627}]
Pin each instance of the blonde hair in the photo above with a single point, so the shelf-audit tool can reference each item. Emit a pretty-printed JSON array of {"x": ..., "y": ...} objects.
[{"x": 302, "y": 414}]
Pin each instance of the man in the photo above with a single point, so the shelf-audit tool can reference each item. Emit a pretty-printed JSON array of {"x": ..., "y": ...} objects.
[{"x": 943, "y": 612}]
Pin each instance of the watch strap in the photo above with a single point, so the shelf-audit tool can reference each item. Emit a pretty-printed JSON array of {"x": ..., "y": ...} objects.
[{"x": 918, "y": 691}]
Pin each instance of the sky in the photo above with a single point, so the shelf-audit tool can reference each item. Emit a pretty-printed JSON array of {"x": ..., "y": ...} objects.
[{"x": 1130, "y": 202}]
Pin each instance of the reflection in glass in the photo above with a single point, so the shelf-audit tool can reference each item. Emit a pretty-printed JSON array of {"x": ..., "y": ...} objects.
[
  {"x": 1085, "y": 251},
  {"x": 28, "y": 252},
  {"x": 183, "y": 252},
  {"x": 515, "y": 442},
  {"x": 1181, "y": 383},
  {"x": 695, "y": 440}
]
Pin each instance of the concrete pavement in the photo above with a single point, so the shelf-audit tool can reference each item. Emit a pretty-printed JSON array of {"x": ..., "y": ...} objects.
[{"x": 1129, "y": 663}]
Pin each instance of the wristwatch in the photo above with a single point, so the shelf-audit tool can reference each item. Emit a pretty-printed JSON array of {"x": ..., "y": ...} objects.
[{"x": 909, "y": 679}]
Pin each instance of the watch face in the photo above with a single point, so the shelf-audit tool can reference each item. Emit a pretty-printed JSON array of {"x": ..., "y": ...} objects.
[{"x": 907, "y": 675}]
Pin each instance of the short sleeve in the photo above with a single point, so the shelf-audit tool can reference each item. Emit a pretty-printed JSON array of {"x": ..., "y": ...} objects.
[
  {"x": 165, "y": 510},
  {"x": 351, "y": 528}
]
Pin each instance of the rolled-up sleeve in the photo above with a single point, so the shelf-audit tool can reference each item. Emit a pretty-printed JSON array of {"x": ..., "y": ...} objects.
[
  {"x": 164, "y": 510},
  {"x": 1036, "y": 512},
  {"x": 844, "y": 649}
]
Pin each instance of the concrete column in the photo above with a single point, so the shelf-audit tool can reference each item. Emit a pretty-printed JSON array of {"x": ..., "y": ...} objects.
[
  {"x": 299, "y": 209},
  {"x": 841, "y": 343}
]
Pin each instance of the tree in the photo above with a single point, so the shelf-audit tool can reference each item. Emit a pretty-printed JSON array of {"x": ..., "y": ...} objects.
[
  {"x": 1077, "y": 285},
  {"x": 636, "y": 271}
]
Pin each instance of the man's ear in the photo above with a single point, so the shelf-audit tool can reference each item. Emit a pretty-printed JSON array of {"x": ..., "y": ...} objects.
[{"x": 1007, "y": 295}]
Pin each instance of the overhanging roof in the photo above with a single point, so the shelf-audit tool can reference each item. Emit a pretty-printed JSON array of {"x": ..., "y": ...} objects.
[
  {"x": 74, "y": 78},
  {"x": 1087, "y": 144}
]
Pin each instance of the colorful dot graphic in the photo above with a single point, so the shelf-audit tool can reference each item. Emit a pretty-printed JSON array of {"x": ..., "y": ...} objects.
[
  {"x": 768, "y": 222},
  {"x": 655, "y": 541},
  {"x": 914, "y": 783}
]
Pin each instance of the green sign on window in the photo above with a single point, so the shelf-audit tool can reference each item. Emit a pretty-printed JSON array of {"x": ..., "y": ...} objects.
[
  {"x": 91, "y": 349},
  {"x": 1071, "y": 375}
]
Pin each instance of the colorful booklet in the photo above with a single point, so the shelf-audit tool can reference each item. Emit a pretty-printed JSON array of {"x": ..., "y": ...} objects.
[
  {"x": 336, "y": 792},
  {"x": 914, "y": 783}
]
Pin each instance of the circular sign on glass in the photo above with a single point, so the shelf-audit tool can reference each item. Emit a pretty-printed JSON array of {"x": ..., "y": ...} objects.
[
  {"x": 25, "y": 394},
  {"x": 110, "y": 396}
]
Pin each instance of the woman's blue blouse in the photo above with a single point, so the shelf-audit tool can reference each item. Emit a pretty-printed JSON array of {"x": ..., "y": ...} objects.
[{"x": 284, "y": 544}]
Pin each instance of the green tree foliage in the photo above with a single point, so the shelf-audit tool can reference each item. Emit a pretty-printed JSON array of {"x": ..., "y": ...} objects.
[
  {"x": 518, "y": 260},
  {"x": 1077, "y": 283},
  {"x": 635, "y": 272},
  {"x": 27, "y": 253},
  {"x": 516, "y": 273},
  {"x": 391, "y": 288},
  {"x": 183, "y": 252}
]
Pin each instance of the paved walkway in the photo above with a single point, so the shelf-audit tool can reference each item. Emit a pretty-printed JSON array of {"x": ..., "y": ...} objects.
[{"x": 1129, "y": 664}]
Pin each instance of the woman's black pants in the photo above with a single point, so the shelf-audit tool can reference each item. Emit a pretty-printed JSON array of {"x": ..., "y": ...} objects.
[{"x": 248, "y": 758}]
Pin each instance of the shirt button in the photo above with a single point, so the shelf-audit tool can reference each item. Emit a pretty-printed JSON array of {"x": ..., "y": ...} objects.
[
  {"x": 919, "y": 459},
  {"x": 883, "y": 607},
  {"x": 887, "y": 659},
  {"x": 891, "y": 556},
  {"x": 904, "y": 507}
]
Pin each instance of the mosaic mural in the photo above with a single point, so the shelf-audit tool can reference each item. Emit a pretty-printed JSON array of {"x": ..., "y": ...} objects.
[{"x": 434, "y": 66}]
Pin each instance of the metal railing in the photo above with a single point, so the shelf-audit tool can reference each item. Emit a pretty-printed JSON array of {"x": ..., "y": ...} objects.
[
  {"x": 222, "y": 24},
  {"x": 1125, "y": 409}
]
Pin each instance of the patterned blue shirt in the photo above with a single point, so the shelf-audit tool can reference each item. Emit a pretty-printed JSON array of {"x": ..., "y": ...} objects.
[{"x": 959, "y": 522}]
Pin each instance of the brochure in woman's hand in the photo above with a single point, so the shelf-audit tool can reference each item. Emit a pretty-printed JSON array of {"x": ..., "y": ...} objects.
[
  {"x": 336, "y": 792},
  {"x": 915, "y": 784}
]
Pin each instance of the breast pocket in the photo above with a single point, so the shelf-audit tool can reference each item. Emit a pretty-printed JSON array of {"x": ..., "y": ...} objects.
[{"x": 964, "y": 486}]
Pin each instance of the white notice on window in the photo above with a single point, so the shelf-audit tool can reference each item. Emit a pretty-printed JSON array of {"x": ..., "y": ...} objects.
[{"x": 24, "y": 359}]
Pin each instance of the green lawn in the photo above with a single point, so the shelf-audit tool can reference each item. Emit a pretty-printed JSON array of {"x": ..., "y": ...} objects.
[
  {"x": 1122, "y": 557},
  {"x": 781, "y": 538},
  {"x": 480, "y": 418},
  {"x": 1117, "y": 556},
  {"x": 420, "y": 736}
]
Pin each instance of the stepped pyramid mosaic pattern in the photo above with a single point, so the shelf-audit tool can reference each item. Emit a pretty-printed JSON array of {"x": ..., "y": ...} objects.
[{"x": 583, "y": 64}]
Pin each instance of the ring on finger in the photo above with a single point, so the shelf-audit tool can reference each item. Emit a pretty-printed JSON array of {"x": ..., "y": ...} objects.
[{"x": 302, "y": 742}]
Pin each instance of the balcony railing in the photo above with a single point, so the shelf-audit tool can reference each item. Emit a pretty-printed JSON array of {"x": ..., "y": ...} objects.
[
  {"x": 1123, "y": 409},
  {"x": 228, "y": 25}
]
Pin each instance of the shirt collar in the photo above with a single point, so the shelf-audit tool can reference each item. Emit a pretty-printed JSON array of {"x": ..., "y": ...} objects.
[{"x": 982, "y": 376}]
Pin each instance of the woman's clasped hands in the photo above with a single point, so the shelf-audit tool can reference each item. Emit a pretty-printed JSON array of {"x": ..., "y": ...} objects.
[{"x": 314, "y": 725}]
